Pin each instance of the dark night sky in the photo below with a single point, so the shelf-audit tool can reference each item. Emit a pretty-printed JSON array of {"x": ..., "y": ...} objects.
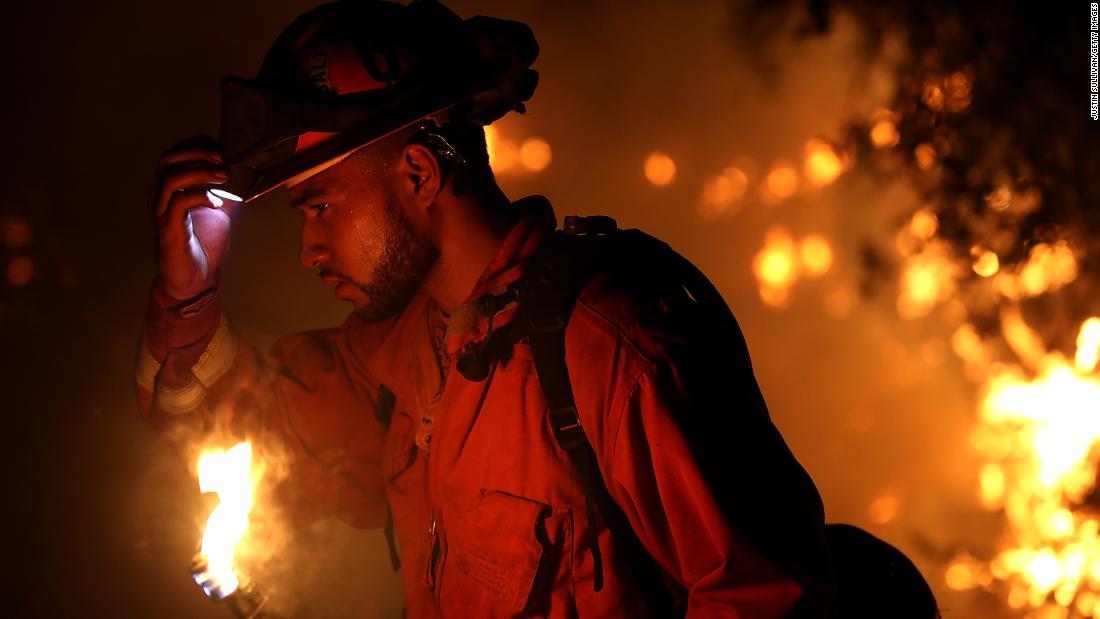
[{"x": 102, "y": 519}]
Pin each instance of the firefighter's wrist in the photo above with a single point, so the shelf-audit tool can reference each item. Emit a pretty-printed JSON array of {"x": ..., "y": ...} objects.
[
  {"x": 184, "y": 325},
  {"x": 190, "y": 307},
  {"x": 191, "y": 370}
]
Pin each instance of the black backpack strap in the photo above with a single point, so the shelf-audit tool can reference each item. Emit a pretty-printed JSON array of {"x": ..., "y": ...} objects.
[
  {"x": 547, "y": 300},
  {"x": 548, "y": 350},
  {"x": 383, "y": 406},
  {"x": 383, "y": 412},
  {"x": 391, "y": 539}
]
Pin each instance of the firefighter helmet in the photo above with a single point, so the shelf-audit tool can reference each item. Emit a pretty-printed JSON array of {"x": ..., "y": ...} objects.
[{"x": 350, "y": 72}]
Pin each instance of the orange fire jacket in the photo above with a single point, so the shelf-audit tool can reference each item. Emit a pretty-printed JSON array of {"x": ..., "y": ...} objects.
[{"x": 489, "y": 512}]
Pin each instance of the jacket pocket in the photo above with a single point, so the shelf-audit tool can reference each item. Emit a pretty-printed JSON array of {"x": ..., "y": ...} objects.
[{"x": 501, "y": 551}]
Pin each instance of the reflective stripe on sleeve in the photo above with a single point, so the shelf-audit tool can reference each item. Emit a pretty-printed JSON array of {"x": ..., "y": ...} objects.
[
  {"x": 147, "y": 367},
  {"x": 215, "y": 361},
  {"x": 218, "y": 356},
  {"x": 182, "y": 400}
]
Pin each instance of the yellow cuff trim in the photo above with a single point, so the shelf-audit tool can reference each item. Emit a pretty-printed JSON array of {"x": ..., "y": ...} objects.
[
  {"x": 218, "y": 356},
  {"x": 147, "y": 367},
  {"x": 176, "y": 401},
  {"x": 215, "y": 361}
]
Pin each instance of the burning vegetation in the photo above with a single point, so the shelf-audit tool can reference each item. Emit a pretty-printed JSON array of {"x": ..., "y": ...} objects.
[{"x": 987, "y": 129}]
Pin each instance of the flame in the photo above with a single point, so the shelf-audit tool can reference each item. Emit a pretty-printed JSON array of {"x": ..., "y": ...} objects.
[
  {"x": 1088, "y": 346},
  {"x": 1040, "y": 434},
  {"x": 229, "y": 474}
]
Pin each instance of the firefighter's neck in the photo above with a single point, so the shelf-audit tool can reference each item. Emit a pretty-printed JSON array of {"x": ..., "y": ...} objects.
[{"x": 471, "y": 229}]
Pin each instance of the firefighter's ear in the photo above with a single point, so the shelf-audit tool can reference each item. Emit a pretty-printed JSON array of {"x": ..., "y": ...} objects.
[{"x": 419, "y": 175}]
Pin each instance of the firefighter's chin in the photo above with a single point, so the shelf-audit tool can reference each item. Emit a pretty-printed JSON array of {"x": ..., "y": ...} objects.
[{"x": 348, "y": 291}]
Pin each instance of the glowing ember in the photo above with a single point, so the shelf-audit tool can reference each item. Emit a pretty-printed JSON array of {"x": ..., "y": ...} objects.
[
  {"x": 782, "y": 261},
  {"x": 924, "y": 224},
  {"x": 817, "y": 255},
  {"x": 986, "y": 263},
  {"x": 992, "y": 486},
  {"x": 722, "y": 193},
  {"x": 776, "y": 267},
  {"x": 884, "y": 508},
  {"x": 1000, "y": 198},
  {"x": 925, "y": 156},
  {"x": 933, "y": 96},
  {"x": 660, "y": 169},
  {"x": 535, "y": 154},
  {"x": 229, "y": 474},
  {"x": 20, "y": 271},
  {"x": 823, "y": 165},
  {"x": 1049, "y": 267},
  {"x": 780, "y": 183},
  {"x": 927, "y": 279},
  {"x": 884, "y": 134},
  {"x": 15, "y": 233}
]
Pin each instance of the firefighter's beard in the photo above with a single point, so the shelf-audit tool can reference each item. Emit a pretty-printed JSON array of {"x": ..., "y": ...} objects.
[{"x": 407, "y": 259}]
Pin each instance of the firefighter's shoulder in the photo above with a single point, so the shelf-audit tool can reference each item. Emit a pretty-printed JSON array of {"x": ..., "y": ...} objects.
[
  {"x": 639, "y": 297},
  {"x": 348, "y": 348}
]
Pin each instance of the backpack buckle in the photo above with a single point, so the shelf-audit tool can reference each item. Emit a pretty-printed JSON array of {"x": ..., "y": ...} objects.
[
  {"x": 592, "y": 224},
  {"x": 566, "y": 425}
]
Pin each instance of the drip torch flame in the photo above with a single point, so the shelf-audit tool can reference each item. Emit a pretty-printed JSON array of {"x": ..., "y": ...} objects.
[{"x": 229, "y": 474}]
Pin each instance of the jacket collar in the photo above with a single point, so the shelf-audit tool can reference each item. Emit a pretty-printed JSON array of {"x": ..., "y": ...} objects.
[{"x": 408, "y": 363}]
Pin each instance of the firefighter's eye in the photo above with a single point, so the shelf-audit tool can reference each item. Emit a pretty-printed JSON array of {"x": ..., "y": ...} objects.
[{"x": 319, "y": 208}]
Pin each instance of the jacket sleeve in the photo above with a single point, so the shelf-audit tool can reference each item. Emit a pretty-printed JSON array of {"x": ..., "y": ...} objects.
[
  {"x": 307, "y": 406},
  {"x": 711, "y": 488}
]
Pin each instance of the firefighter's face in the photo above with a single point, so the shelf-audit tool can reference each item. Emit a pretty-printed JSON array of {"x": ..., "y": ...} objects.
[{"x": 357, "y": 232}]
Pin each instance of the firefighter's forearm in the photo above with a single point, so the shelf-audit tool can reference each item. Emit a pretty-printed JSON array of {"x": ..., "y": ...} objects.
[{"x": 186, "y": 346}]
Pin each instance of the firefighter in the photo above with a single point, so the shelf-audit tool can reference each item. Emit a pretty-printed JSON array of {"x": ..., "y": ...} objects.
[{"x": 546, "y": 423}]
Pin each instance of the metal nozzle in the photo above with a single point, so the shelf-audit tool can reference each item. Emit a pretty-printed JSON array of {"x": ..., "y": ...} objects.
[{"x": 246, "y": 601}]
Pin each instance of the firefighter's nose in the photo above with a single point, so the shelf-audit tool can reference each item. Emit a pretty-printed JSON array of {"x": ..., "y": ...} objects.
[{"x": 314, "y": 254}]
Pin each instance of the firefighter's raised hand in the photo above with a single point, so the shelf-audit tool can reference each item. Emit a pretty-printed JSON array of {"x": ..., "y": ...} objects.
[{"x": 192, "y": 225}]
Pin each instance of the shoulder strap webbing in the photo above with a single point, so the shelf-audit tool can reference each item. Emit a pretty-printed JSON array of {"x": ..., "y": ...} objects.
[
  {"x": 383, "y": 412},
  {"x": 548, "y": 350},
  {"x": 547, "y": 301}
]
